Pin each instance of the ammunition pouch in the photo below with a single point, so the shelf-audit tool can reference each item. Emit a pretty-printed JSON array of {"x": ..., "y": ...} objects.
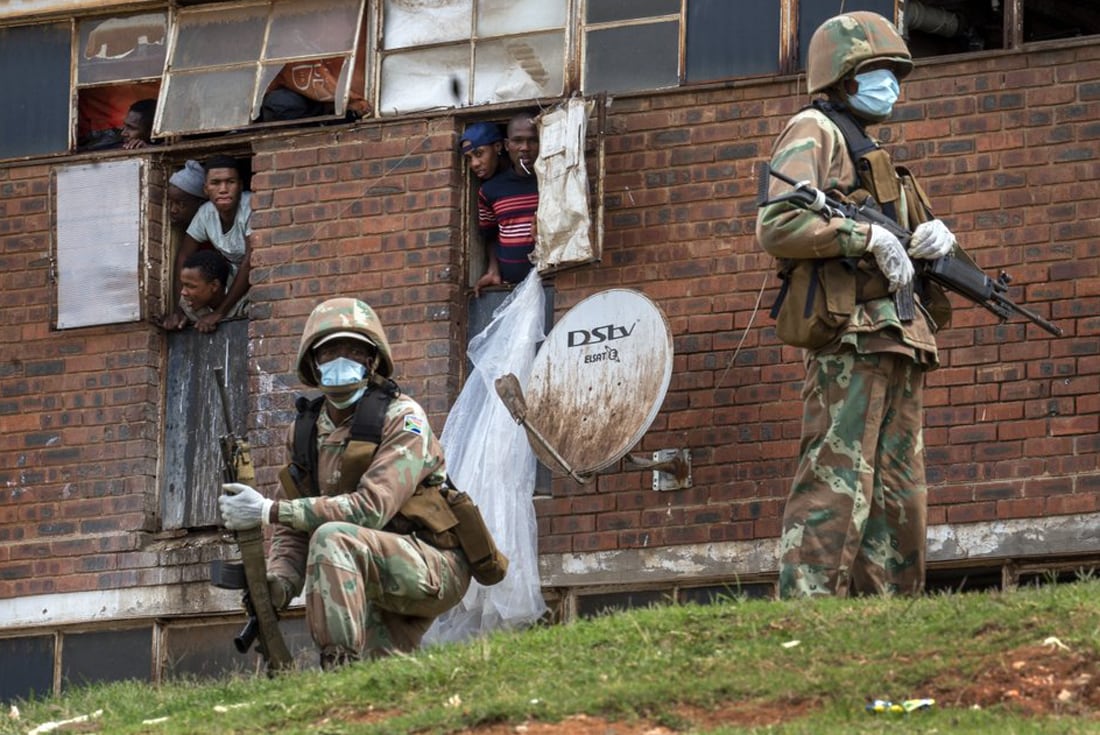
[
  {"x": 449, "y": 519},
  {"x": 815, "y": 301}
]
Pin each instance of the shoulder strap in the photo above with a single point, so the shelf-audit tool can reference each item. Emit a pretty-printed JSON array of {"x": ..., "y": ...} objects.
[
  {"x": 370, "y": 415},
  {"x": 303, "y": 455},
  {"x": 872, "y": 163},
  {"x": 858, "y": 142},
  {"x": 370, "y": 412}
]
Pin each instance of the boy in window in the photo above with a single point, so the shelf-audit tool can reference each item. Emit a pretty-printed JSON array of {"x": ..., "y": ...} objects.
[
  {"x": 223, "y": 222},
  {"x": 506, "y": 207},
  {"x": 203, "y": 281}
]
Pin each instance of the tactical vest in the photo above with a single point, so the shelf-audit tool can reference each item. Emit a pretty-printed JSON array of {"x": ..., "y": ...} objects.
[
  {"x": 879, "y": 178},
  {"x": 439, "y": 515},
  {"x": 826, "y": 290}
]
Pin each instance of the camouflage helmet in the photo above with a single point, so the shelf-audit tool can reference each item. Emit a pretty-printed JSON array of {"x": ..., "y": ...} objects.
[
  {"x": 844, "y": 43},
  {"x": 346, "y": 315}
]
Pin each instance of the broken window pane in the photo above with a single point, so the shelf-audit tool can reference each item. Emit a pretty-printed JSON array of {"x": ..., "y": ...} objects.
[
  {"x": 503, "y": 17},
  {"x": 710, "y": 55},
  {"x": 99, "y": 237},
  {"x": 938, "y": 27},
  {"x": 225, "y": 58},
  {"x": 632, "y": 57},
  {"x": 121, "y": 49},
  {"x": 523, "y": 67},
  {"x": 219, "y": 36},
  {"x": 420, "y": 80},
  {"x": 312, "y": 28},
  {"x": 421, "y": 22},
  {"x": 35, "y": 62},
  {"x": 603, "y": 11}
]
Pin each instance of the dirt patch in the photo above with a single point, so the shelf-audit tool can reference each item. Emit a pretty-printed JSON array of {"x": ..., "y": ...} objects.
[
  {"x": 1033, "y": 680},
  {"x": 575, "y": 725}
]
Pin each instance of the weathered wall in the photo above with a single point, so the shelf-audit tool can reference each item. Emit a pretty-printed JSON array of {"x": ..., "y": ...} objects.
[
  {"x": 1005, "y": 144},
  {"x": 1007, "y": 148},
  {"x": 79, "y": 411}
]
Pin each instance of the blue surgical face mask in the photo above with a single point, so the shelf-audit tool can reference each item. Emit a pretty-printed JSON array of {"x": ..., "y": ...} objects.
[
  {"x": 341, "y": 371},
  {"x": 878, "y": 91}
]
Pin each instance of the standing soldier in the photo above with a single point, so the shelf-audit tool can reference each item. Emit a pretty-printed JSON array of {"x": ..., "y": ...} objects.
[
  {"x": 855, "y": 519},
  {"x": 367, "y": 523}
]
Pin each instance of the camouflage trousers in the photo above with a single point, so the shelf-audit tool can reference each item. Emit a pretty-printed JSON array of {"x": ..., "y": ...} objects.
[
  {"x": 373, "y": 592},
  {"x": 855, "y": 519}
]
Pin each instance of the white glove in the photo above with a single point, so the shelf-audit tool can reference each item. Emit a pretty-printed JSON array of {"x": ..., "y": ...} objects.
[
  {"x": 891, "y": 257},
  {"x": 242, "y": 507},
  {"x": 931, "y": 240}
]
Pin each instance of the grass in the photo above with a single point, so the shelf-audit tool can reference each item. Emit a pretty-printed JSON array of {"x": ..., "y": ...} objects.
[{"x": 689, "y": 668}]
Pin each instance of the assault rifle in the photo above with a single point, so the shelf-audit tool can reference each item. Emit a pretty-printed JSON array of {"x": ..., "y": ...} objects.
[
  {"x": 952, "y": 273},
  {"x": 250, "y": 575}
]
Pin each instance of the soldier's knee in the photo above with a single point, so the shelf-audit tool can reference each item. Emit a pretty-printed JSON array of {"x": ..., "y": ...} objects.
[{"x": 331, "y": 538}]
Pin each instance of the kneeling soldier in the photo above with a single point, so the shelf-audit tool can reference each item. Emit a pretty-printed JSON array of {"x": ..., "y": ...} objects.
[{"x": 366, "y": 523}]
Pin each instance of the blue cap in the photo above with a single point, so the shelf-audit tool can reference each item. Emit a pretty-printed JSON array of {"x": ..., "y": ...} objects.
[{"x": 479, "y": 134}]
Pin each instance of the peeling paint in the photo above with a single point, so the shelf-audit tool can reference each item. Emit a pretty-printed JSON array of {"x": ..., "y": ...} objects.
[{"x": 998, "y": 540}]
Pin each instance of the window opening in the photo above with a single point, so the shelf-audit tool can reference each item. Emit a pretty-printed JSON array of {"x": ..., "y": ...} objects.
[
  {"x": 939, "y": 27},
  {"x": 222, "y": 61},
  {"x": 1056, "y": 19},
  {"x": 470, "y": 52},
  {"x": 191, "y": 479},
  {"x": 118, "y": 63}
]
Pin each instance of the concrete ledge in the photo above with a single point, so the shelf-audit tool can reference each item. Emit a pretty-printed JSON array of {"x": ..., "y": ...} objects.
[{"x": 1026, "y": 540}]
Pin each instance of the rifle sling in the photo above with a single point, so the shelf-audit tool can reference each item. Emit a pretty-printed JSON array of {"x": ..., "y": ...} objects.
[{"x": 274, "y": 650}]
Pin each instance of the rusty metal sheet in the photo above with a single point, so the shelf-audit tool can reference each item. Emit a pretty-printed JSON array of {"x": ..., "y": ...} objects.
[
  {"x": 193, "y": 420},
  {"x": 599, "y": 379}
]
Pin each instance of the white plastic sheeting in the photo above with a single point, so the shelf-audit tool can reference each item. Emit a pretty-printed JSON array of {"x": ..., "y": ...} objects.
[{"x": 488, "y": 457}]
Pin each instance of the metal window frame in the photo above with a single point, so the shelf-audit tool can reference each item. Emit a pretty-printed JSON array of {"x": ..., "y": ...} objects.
[
  {"x": 584, "y": 28},
  {"x": 257, "y": 65}
]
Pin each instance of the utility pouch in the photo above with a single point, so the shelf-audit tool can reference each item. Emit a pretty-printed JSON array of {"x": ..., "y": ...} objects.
[
  {"x": 917, "y": 207},
  {"x": 291, "y": 490},
  {"x": 487, "y": 563},
  {"x": 428, "y": 515},
  {"x": 815, "y": 302}
]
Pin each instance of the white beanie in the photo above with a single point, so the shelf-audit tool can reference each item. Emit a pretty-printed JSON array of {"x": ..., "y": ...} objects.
[{"x": 191, "y": 179}]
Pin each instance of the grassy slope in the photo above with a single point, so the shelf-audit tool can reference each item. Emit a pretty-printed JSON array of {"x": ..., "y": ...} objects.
[{"x": 649, "y": 664}]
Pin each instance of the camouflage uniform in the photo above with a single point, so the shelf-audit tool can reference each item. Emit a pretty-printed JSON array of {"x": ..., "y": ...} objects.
[
  {"x": 855, "y": 519},
  {"x": 368, "y": 591}
]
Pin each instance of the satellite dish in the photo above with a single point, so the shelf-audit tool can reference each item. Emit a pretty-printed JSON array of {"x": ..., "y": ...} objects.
[{"x": 596, "y": 384}]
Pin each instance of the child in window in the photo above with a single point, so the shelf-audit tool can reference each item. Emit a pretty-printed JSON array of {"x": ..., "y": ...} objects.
[{"x": 203, "y": 281}]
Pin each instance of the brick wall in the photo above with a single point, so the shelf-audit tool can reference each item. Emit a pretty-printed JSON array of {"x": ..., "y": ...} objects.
[
  {"x": 374, "y": 214},
  {"x": 1005, "y": 144},
  {"x": 79, "y": 411},
  {"x": 1008, "y": 148}
]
